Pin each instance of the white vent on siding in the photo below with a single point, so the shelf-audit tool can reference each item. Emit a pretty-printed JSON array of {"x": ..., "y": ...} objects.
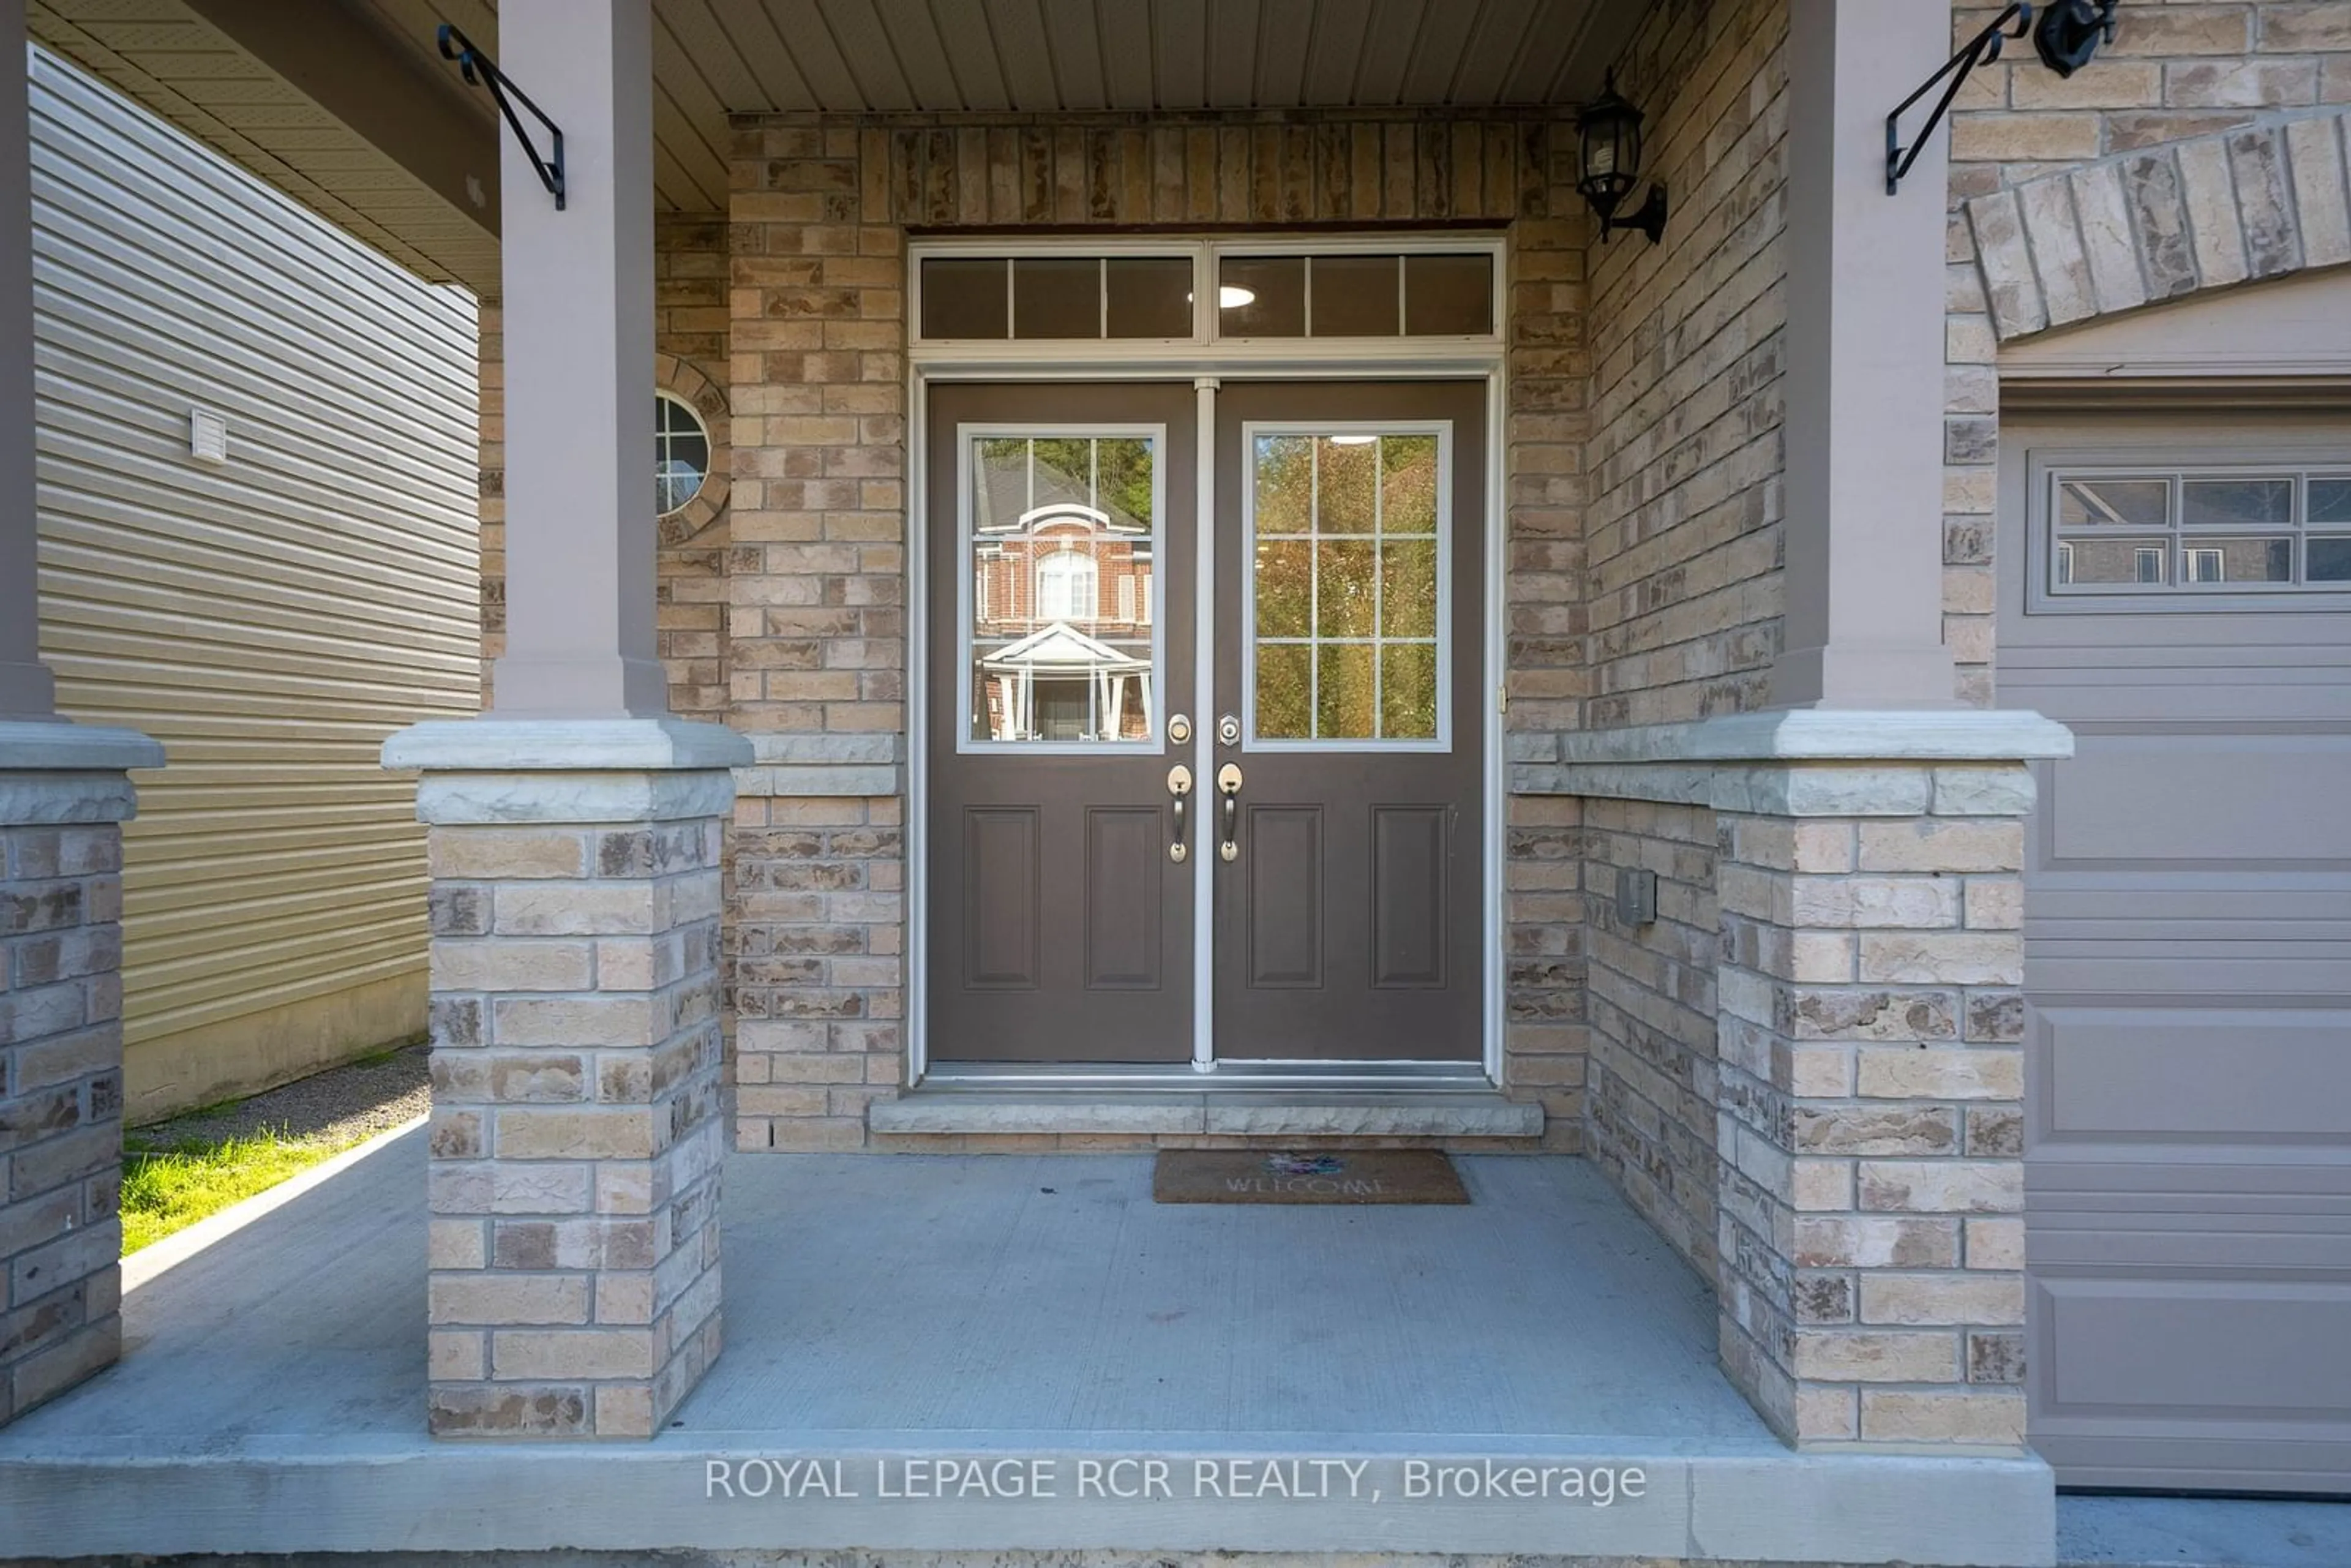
[{"x": 208, "y": 435}]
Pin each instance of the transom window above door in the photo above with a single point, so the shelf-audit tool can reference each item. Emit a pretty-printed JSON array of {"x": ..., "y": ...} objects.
[{"x": 1267, "y": 290}]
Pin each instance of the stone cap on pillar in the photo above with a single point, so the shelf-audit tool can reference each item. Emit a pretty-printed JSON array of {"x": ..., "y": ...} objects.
[
  {"x": 522, "y": 770},
  {"x": 1959, "y": 759},
  {"x": 1832, "y": 735},
  {"x": 59, "y": 746},
  {"x": 53, "y": 772},
  {"x": 496, "y": 745}
]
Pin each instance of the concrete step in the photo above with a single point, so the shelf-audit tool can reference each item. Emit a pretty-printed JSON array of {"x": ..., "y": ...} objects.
[{"x": 1290, "y": 1113}]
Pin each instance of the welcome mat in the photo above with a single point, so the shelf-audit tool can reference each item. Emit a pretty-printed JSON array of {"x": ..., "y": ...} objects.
[{"x": 1352, "y": 1175}]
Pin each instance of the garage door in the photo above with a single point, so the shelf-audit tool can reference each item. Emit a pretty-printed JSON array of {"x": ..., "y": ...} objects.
[{"x": 2177, "y": 589}]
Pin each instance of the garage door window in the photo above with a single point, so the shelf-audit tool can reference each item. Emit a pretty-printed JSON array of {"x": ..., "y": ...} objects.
[{"x": 2184, "y": 533}]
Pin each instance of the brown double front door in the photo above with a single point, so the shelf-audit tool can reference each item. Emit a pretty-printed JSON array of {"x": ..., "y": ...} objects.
[{"x": 1312, "y": 786}]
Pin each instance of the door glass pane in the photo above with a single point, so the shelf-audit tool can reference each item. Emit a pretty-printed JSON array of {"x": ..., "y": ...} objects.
[
  {"x": 1355, "y": 296},
  {"x": 1150, "y": 296},
  {"x": 1057, "y": 296},
  {"x": 1285, "y": 691},
  {"x": 1408, "y": 689},
  {"x": 1062, "y": 534},
  {"x": 1346, "y": 615},
  {"x": 963, "y": 296},
  {"x": 1346, "y": 482},
  {"x": 1346, "y": 695}
]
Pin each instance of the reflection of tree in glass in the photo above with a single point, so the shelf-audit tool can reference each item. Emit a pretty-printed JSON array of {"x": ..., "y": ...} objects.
[
  {"x": 1343, "y": 701},
  {"x": 1408, "y": 484},
  {"x": 1408, "y": 691},
  {"x": 1284, "y": 692},
  {"x": 1124, "y": 478},
  {"x": 1285, "y": 485}
]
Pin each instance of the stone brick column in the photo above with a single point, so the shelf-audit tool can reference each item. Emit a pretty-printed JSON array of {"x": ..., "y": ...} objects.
[
  {"x": 1870, "y": 1114},
  {"x": 577, "y": 1131},
  {"x": 1867, "y": 1072},
  {"x": 63, "y": 798}
]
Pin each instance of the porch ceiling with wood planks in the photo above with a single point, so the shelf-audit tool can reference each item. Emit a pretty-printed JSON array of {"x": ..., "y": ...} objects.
[{"x": 355, "y": 115}]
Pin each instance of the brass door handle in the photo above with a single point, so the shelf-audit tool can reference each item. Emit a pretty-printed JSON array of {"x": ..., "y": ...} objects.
[
  {"x": 1179, "y": 786},
  {"x": 1228, "y": 785}
]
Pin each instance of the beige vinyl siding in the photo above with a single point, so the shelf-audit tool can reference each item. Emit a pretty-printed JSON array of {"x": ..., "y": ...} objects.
[{"x": 271, "y": 619}]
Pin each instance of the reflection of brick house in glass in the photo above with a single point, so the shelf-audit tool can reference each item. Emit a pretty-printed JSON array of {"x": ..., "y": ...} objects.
[{"x": 1061, "y": 611}]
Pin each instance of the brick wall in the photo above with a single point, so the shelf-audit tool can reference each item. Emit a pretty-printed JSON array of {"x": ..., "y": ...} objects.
[
  {"x": 2175, "y": 73},
  {"x": 817, "y": 631},
  {"x": 1683, "y": 532},
  {"x": 60, "y": 1088},
  {"x": 1651, "y": 1120},
  {"x": 576, "y": 1131},
  {"x": 1808, "y": 1074}
]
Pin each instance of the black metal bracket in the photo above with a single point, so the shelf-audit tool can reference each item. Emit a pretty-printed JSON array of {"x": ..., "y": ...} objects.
[
  {"x": 1649, "y": 218},
  {"x": 480, "y": 70},
  {"x": 1979, "y": 50}
]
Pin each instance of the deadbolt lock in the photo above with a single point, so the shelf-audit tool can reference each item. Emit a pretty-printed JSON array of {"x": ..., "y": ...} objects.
[
  {"x": 1228, "y": 730},
  {"x": 1179, "y": 729}
]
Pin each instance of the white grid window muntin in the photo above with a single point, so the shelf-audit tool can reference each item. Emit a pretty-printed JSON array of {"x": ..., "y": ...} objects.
[
  {"x": 1441, "y": 642},
  {"x": 2155, "y": 532},
  {"x": 973, "y": 547},
  {"x": 1207, "y": 258}
]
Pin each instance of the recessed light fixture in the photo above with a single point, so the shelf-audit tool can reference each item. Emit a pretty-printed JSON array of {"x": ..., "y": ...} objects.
[{"x": 1229, "y": 298}]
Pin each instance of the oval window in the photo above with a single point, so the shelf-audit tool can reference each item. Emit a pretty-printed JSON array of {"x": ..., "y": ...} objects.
[{"x": 681, "y": 452}]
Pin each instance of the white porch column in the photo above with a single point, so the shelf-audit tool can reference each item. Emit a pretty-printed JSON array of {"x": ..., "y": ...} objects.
[
  {"x": 25, "y": 688},
  {"x": 579, "y": 321},
  {"x": 1863, "y": 625},
  {"x": 577, "y": 832},
  {"x": 64, "y": 794}
]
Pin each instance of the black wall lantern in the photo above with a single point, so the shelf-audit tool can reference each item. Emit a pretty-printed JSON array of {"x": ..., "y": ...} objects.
[
  {"x": 1611, "y": 128},
  {"x": 2070, "y": 32}
]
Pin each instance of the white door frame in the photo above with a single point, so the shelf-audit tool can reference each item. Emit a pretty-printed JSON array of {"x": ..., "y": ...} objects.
[{"x": 1206, "y": 365}]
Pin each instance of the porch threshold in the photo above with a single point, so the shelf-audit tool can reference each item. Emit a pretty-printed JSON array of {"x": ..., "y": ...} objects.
[{"x": 1294, "y": 1113}]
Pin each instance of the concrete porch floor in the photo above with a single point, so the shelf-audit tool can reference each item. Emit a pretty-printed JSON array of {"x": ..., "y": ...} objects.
[{"x": 883, "y": 1308}]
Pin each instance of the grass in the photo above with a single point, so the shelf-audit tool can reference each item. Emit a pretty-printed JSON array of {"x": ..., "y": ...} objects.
[{"x": 169, "y": 1187}]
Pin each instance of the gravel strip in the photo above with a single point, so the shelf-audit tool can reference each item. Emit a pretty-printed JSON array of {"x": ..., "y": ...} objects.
[{"x": 341, "y": 1105}]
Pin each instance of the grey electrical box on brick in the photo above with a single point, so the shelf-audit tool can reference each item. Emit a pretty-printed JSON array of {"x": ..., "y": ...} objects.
[{"x": 1636, "y": 896}]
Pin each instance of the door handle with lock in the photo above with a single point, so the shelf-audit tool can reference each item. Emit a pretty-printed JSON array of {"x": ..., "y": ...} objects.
[
  {"x": 1179, "y": 786},
  {"x": 1228, "y": 785}
]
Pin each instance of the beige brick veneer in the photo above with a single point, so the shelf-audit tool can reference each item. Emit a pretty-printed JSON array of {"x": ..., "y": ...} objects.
[
  {"x": 576, "y": 1133},
  {"x": 60, "y": 1080},
  {"x": 1683, "y": 531},
  {"x": 1853, "y": 1132},
  {"x": 1870, "y": 1186}
]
